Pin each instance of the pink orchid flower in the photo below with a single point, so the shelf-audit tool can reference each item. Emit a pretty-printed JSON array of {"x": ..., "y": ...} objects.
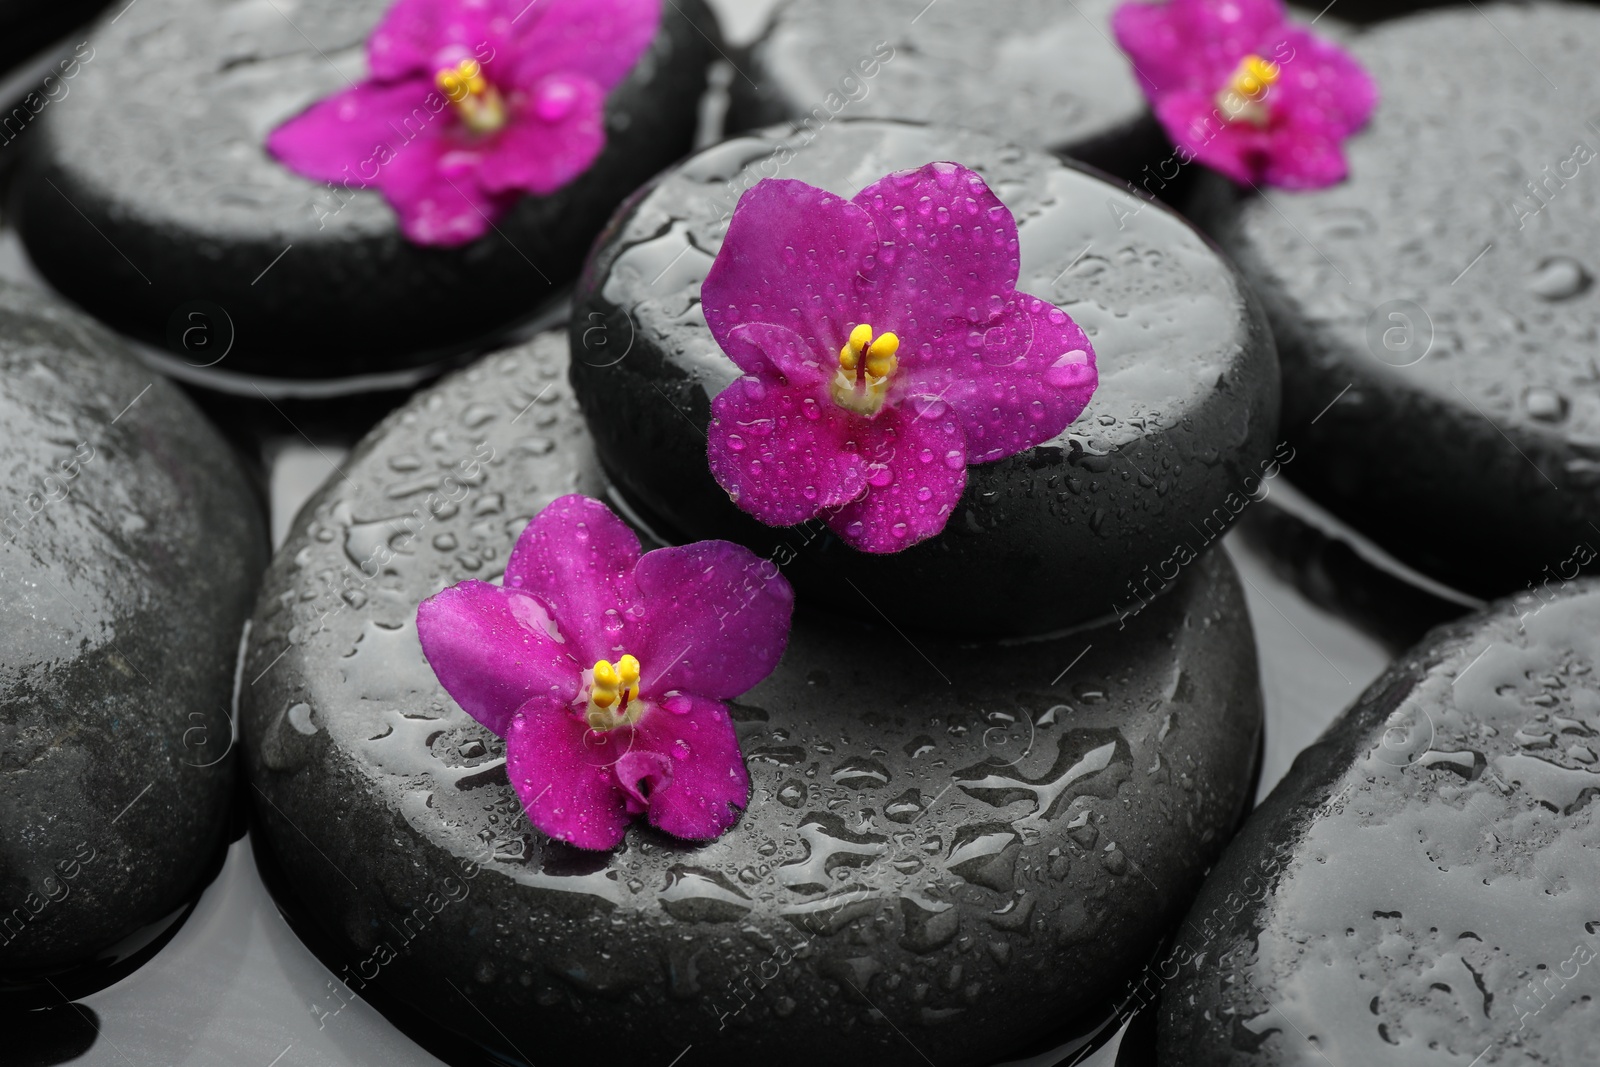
[
  {"x": 469, "y": 105},
  {"x": 884, "y": 347},
  {"x": 1244, "y": 91},
  {"x": 606, "y": 670}
]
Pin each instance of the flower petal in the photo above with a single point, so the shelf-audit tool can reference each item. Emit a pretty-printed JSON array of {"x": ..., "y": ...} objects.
[
  {"x": 579, "y": 558},
  {"x": 565, "y": 775},
  {"x": 1193, "y": 45},
  {"x": 600, "y": 38},
  {"x": 493, "y": 649},
  {"x": 776, "y": 354},
  {"x": 1305, "y": 159},
  {"x": 949, "y": 251},
  {"x": 557, "y": 134},
  {"x": 1324, "y": 89},
  {"x": 417, "y": 37},
  {"x": 792, "y": 257},
  {"x": 708, "y": 785},
  {"x": 783, "y": 453},
  {"x": 343, "y": 137},
  {"x": 1017, "y": 383},
  {"x": 432, "y": 183},
  {"x": 716, "y": 617},
  {"x": 1235, "y": 149},
  {"x": 917, "y": 468}
]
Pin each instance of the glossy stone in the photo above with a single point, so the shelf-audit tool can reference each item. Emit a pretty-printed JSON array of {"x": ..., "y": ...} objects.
[
  {"x": 130, "y": 547},
  {"x": 1424, "y": 885},
  {"x": 151, "y": 198},
  {"x": 1084, "y": 526},
  {"x": 1436, "y": 313},
  {"x": 957, "y": 848},
  {"x": 1034, "y": 72}
]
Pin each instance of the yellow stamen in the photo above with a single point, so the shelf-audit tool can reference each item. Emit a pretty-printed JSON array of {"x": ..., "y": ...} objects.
[
  {"x": 1242, "y": 99},
  {"x": 618, "y": 685},
  {"x": 477, "y": 102},
  {"x": 863, "y": 389}
]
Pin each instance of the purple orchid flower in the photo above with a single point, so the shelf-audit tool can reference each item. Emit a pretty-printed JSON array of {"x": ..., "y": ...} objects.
[
  {"x": 605, "y": 671},
  {"x": 884, "y": 347},
  {"x": 470, "y": 104},
  {"x": 1244, "y": 91}
]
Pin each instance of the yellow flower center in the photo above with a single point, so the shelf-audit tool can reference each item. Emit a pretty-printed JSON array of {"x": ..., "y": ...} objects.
[
  {"x": 614, "y": 695},
  {"x": 477, "y": 102},
  {"x": 1243, "y": 98},
  {"x": 861, "y": 384}
]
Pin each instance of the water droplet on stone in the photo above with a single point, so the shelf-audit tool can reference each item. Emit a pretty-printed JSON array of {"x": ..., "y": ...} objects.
[
  {"x": 1560, "y": 278},
  {"x": 1546, "y": 405}
]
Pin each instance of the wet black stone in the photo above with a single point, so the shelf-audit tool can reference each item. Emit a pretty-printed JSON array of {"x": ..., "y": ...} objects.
[
  {"x": 1077, "y": 528},
  {"x": 182, "y": 210},
  {"x": 1443, "y": 309},
  {"x": 1039, "y": 73},
  {"x": 975, "y": 841},
  {"x": 130, "y": 548},
  {"x": 1424, "y": 883}
]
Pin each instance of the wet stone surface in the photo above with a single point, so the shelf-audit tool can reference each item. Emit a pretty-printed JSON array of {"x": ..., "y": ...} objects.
[
  {"x": 1424, "y": 886},
  {"x": 1173, "y": 442},
  {"x": 1444, "y": 296},
  {"x": 1039, "y": 73},
  {"x": 967, "y": 845},
  {"x": 159, "y": 147},
  {"x": 130, "y": 548}
]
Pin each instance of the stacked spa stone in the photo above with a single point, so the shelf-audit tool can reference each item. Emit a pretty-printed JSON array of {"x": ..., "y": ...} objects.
[
  {"x": 130, "y": 546},
  {"x": 151, "y": 199},
  {"x": 1436, "y": 312},
  {"x": 966, "y": 827}
]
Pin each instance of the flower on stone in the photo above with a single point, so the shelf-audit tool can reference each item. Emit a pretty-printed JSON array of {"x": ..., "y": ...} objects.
[
  {"x": 605, "y": 670},
  {"x": 1244, "y": 91},
  {"x": 884, "y": 347},
  {"x": 469, "y": 105}
]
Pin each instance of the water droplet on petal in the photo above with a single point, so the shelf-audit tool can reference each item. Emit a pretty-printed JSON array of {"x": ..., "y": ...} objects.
[
  {"x": 1070, "y": 370},
  {"x": 880, "y": 476},
  {"x": 735, "y": 442},
  {"x": 954, "y": 459}
]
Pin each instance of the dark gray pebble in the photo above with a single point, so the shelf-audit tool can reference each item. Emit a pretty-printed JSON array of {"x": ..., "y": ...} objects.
[
  {"x": 130, "y": 548},
  {"x": 151, "y": 199},
  {"x": 952, "y": 848},
  {"x": 1424, "y": 885},
  {"x": 1088, "y": 525}
]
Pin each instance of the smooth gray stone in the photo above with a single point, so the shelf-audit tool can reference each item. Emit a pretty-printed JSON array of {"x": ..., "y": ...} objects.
[
  {"x": 1037, "y": 72},
  {"x": 130, "y": 548},
  {"x": 150, "y": 195},
  {"x": 1424, "y": 886},
  {"x": 1085, "y": 526},
  {"x": 964, "y": 848},
  {"x": 1436, "y": 313}
]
